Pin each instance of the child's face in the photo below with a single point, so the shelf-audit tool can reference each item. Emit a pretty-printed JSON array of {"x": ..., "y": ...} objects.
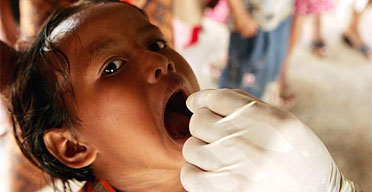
[{"x": 123, "y": 78}]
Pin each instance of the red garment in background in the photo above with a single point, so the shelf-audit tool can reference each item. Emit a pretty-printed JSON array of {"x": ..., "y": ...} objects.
[{"x": 313, "y": 7}]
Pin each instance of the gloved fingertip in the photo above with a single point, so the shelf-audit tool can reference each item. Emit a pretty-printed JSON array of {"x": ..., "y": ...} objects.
[
  {"x": 190, "y": 102},
  {"x": 198, "y": 99},
  {"x": 187, "y": 176}
]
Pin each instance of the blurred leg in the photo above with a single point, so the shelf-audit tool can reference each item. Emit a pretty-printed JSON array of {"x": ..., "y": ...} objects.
[
  {"x": 295, "y": 35},
  {"x": 352, "y": 34},
  {"x": 317, "y": 27},
  {"x": 286, "y": 39},
  {"x": 318, "y": 45},
  {"x": 353, "y": 29}
]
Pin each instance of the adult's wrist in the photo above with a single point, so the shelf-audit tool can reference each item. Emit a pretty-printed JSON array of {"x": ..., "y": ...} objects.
[{"x": 338, "y": 182}]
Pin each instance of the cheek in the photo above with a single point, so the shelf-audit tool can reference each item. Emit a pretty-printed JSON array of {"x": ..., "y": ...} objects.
[
  {"x": 110, "y": 110},
  {"x": 120, "y": 122},
  {"x": 120, "y": 127},
  {"x": 110, "y": 98}
]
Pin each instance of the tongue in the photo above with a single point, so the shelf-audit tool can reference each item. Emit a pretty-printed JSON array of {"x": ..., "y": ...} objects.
[{"x": 177, "y": 124}]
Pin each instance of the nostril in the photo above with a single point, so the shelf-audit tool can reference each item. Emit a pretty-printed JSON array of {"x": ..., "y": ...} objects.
[
  {"x": 157, "y": 73},
  {"x": 171, "y": 67}
]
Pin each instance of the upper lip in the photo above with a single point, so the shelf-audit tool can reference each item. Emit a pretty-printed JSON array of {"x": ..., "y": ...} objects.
[{"x": 173, "y": 87}]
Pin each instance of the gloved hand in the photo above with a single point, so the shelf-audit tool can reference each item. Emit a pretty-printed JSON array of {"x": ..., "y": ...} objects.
[{"x": 239, "y": 143}]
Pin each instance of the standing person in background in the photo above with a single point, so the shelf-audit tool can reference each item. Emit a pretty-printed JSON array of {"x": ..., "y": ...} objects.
[
  {"x": 258, "y": 43},
  {"x": 351, "y": 35},
  {"x": 303, "y": 8},
  {"x": 314, "y": 8}
]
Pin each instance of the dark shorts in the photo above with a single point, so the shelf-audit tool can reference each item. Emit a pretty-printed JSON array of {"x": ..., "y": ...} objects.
[{"x": 256, "y": 61}]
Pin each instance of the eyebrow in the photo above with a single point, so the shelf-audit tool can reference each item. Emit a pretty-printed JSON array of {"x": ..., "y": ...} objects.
[
  {"x": 148, "y": 27},
  {"x": 99, "y": 45}
]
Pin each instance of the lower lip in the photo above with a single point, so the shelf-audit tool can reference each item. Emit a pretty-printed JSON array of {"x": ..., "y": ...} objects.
[{"x": 182, "y": 140}]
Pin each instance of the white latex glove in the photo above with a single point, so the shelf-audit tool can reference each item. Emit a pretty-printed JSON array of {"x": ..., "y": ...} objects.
[{"x": 239, "y": 143}]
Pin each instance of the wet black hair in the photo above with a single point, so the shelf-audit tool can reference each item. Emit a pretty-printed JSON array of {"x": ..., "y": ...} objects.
[{"x": 41, "y": 83}]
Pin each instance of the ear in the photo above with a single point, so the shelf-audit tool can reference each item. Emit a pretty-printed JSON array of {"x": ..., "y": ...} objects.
[
  {"x": 62, "y": 145},
  {"x": 8, "y": 57}
]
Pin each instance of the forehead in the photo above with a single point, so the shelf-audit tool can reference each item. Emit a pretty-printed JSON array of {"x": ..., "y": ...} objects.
[{"x": 98, "y": 22}]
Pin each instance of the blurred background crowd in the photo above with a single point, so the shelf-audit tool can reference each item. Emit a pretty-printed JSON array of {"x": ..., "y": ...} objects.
[{"x": 312, "y": 57}]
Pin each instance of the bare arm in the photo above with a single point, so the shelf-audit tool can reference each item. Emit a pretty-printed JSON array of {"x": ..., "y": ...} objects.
[{"x": 244, "y": 23}]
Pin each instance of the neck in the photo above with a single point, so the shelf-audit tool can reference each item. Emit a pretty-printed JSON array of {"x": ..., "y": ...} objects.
[{"x": 160, "y": 180}]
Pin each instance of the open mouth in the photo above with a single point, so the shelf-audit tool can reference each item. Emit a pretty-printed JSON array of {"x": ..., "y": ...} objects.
[{"x": 177, "y": 116}]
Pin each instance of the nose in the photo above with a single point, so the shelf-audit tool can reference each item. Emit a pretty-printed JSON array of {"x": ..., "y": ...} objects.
[{"x": 159, "y": 65}]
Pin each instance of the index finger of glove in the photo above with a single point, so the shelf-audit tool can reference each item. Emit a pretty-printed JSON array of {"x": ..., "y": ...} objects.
[
  {"x": 221, "y": 101},
  {"x": 204, "y": 124}
]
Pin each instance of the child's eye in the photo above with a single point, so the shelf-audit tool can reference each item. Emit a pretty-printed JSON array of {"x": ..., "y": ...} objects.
[
  {"x": 112, "y": 67},
  {"x": 158, "y": 45}
]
